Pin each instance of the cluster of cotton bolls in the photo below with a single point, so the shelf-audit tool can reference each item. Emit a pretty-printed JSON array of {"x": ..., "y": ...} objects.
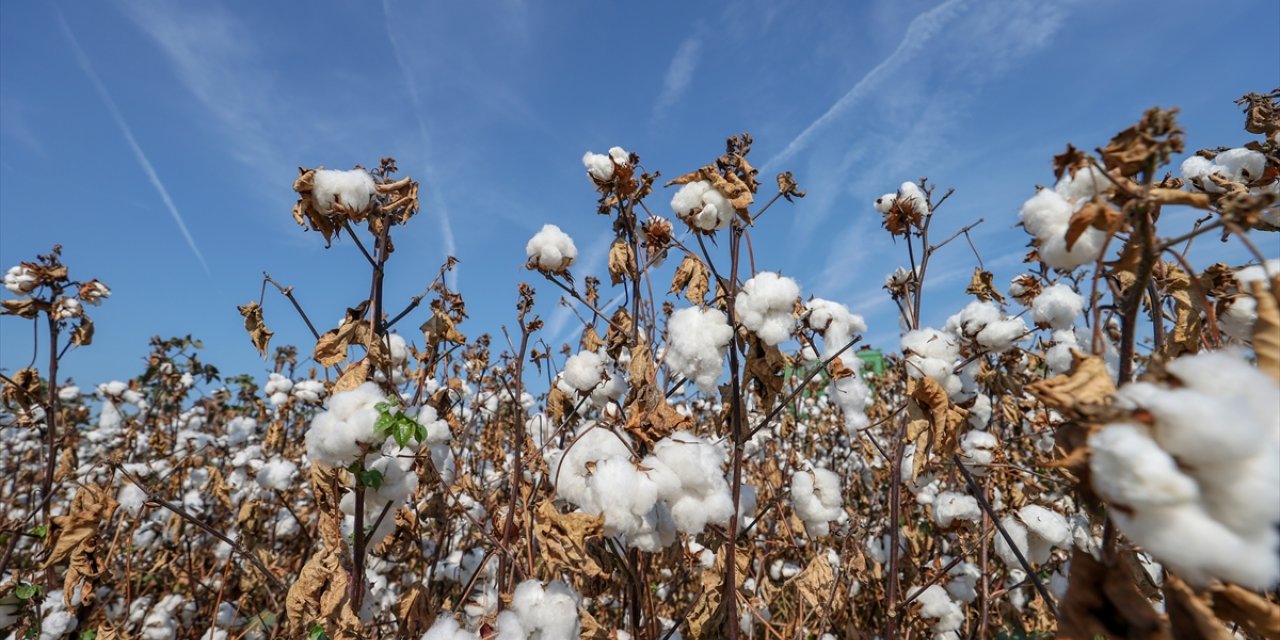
[
  {"x": 1056, "y": 308},
  {"x": 277, "y": 389},
  {"x": 353, "y": 189},
  {"x": 1195, "y": 476},
  {"x": 837, "y": 326},
  {"x": 936, "y": 604},
  {"x": 930, "y": 353},
  {"x": 679, "y": 487},
  {"x": 702, "y": 206},
  {"x": 984, "y": 324},
  {"x": 338, "y": 436},
  {"x": 766, "y": 304},
  {"x": 551, "y": 250},
  {"x": 697, "y": 342},
  {"x": 1241, "y": 166},
  {"x": 593, "y": 374},
  {"x": 1048, "y": 213},
  {"x": 537, "y": 612},
  {"x": 601, "y": 167},
  {"x": 1239, "y": 312},
  {"x": 816, "y": 498}
]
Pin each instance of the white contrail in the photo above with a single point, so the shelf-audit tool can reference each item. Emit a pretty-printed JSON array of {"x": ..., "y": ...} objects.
[
  {"x": 922, "y": 28},
  {"x": 87, "y": 67},
  {"x": 446, "y": 228}
]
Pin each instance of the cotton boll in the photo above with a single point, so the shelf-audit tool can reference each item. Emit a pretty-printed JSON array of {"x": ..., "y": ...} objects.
[
  {"x": 964, "y": 582},
  {"x": 937, "y": 604},
  {"x": 816, "y": 498},
  {"x": 910, "y": 192},
  {"x": 599, "y": 166},
  {"x": 1130, "y": 469},
  {"x": 583, "y": 370},
  {"x": 277, "y": 474},
  {"x": 1199, "y": 548},
  {"x": 703, "y": 494},
  {"x": 354, "y": 189},
  {"x": 1084, "y": 184},
  {"x": 619, "y": 156},
  {"x": 549, "y": 613},
  {"x": 551, "y": 250},
  {"x": 950, "y": 506},
  {"x": 1086, "y": 249},
  {"x": 834, "y": 322},
  {"x": 1241, "y": 165},
  {"x": 1196, "y": 170},
  {"x": 764, "y": 305},
  {"x": 21, "y": 280},
  {"x": 1057, "y": 307},
  {"x": 977, "y": 450},
  {"x": 1046, "y": 214},
  {"x": 336, "y": 436},
  {"x": 446, "y": 628},
  {"x": 1018, "y": 533},
  {"x": 1045, "y": 530},
  {"x": 885, "y": 202},
  {"x": 697, "y": 341},
  {"x": 702, "y": 206}
]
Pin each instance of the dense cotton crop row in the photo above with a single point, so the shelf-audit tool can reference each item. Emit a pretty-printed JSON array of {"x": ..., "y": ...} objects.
[{"x": 1090, "y": 451}]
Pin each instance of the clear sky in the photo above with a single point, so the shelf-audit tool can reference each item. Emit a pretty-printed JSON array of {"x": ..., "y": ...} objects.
[{"x": 157, "y": 142}]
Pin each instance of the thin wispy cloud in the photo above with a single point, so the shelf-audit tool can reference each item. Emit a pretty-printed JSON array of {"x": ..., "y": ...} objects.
[
  {"x": 152, "y": 176},
  {"x": 440, "y": 210},
  {"x": 679, "y": 73},
  {"x": 921, "y": 30}
]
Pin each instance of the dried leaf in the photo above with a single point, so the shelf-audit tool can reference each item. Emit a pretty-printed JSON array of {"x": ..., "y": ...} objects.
[
  {"x": 1266, "y": 329},
  {"x": 981, "y": 285},
  {"x": 258, "y": 331},
  {"x": 92, "y": 506},
  {"x": 938, "y": 421},
  {"x": 562, "y": 540},
  {"x": 622, "y": 262},
  {"x": 814, "y": 583},
  {"x": 320, "y": 594},
  {"x": 788, "y": 188},
  {"x": 1095, "y": 215},
  {"x": 353, "y": 376},
  {"x": 1103, "y": 602},
  {"x": 82, "y": 334},
  {"x": 1088, "y": 383},
  {"x": 332, "y": 346},
  {"x": 1146, "y": 145},
  {"x": 693, "y": 278},
  {"x": 1251, "y": 611},
  {"x": 1190, "y": 617},
  {"x": 27, "y": 308}
]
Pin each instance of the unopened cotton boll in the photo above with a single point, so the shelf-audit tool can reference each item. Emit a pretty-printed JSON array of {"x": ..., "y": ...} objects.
[
  {"x": 697, "y": 342},
  {"x": 765, "y": 305},
  {"x": 702, "y": 206},
  {"x": 354, "y": 189},
  {"x": 551, "y": 250}
]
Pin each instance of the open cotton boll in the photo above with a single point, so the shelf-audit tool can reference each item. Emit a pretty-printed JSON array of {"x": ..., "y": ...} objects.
[
  {"x": 335, "y": 437},
  {"x": 569, "y": 472},
  {"x": 885, "y": 202},
  {"x": 1199, "y": 548},
  {"x": 598, "y": 165},
  {"x": 354, "y": 189},
  {"x": 1018, "y": 533},
  {"x": 702, "y": 206},
  {"x": 1045, "y": 530},
  {"x": 1057, "y": 307},
  {"x": 551, "y": 250},
  {"x": 20, "y": 280},
  {"x": 583, "y": 370},
  {"x": 1086, "y": 249},
  {"x": 1130, "y": 469},
  {"x": 935, "y": 603},
  {"x": 815, "y": 496},
  {"x": 1196, "y": 170},
  {"x": 765, "y": 305},
  {"x": 834, "y": 322},
  {"x": 446, "y": 628},
  {"x": 1084, "y": 184},
  {"x": 950, "y": 506},
  {"x": 986, "y": 324},
  {"x": 1241, "y": 165},
  {"x": 977, "y": 449},
  {"x": 697, "y": 341},
  {"x": 703, "y": 494},
  {"x": 1045, "y": 214},
  {"x": 546, "y": 613},
  {"x": 619, "y": 156},
  {"x": 277, "y": 474},
  {"x": 910, "y": 193}
]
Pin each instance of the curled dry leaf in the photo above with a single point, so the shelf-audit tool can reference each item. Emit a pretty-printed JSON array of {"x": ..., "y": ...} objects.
[
  {"x": 332, "y": 346},
  {"x": 692, "y": 278},
  {"x": 1088, "y": 383},
  {"x": 1145, "y": 145},
  {"x": 788, "y": 188},
  {"x": 1190, "y": 616},
  {"x": 1096, "y": 215},
  {"x": 981, "y": 285},
  {"x": 1254, "y": 613},
  {"x": 622, "y": 262},
  {"x": 936, "y": 421},
  {"x": 814, "y": 583},
  {"x": 253, "y": 323},
  {"x": 1266, "y": 330}
]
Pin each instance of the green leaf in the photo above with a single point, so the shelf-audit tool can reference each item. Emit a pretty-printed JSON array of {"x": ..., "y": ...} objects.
[
  {"x": 26, "y": 591},
  {"x": 88, "y": 635},
  {"x": 317, "y": 632},
  {"x": 40, "y": 531}
]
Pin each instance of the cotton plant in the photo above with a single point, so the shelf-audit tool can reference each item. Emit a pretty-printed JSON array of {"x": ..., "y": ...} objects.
[{"x": 1194, "y": 476}]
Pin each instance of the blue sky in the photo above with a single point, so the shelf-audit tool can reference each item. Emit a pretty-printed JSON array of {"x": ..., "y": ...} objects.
[{"x": 157, "y": 142}]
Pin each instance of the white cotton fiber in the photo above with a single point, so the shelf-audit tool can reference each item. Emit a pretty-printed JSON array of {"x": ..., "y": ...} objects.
[
  {"x": 950, "y": 506},
  {"x": 551, "y": 250},
  {"x": 1057, "y": 307},
  {"x": 697, "y": 341},
  {"x": 354, "y": 189},
  {"x": 702, "y": 206},
  {"x": 583, "y": 370},
  {"x": 765, "y": 305},
  {"x": 815, "y": 496}
]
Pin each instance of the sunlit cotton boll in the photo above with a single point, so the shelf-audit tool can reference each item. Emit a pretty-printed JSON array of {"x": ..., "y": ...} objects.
[
  {"x": 335, "y": 436},
  {"x": 1057, "y": 307},
  {"x": 583, "y": 370},
  {"x": 702, "y": 206},
  {"x": 551, "y": 250},
  {"x": 354, "y": 189},
  {"x": 697, "y": 341},
  {"x": 815, "y": 496},
  {"x": 765, "y": 305}
]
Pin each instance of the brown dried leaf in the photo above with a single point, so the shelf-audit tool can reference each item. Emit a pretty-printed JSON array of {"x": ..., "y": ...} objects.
[
  {"x": 82, "y": 334},
  {"x": 320, "y": 594},
  {"x": 1190, "y": 617},
  {"x": 332, "y": 346},
  {"x": 788, "y": 188},
  {"x": 353, "y": 376},
  {"x": 91, "y": 507},
  {"x": 619, "y": 333},
  {"x": 622, "y": 262},
  {"x": 814, "y": 583},
  {"x": 1069, "y": 161},
  {"x": 1103, "y": 602},
  {"x": 981, "y": 285},
  {"x": 1088, "y": 383},
  {"x": 1096, "y": 215},
  {"x": 693, "y": 278},
  {"x": 1178, "y": 196},
  {"x": 1266, "y": 329},
  {"x": 1251, "y": 611},
  {"x": 253, "y": 323},
  {"x": 562, "y": 540},
  {"x": 1145, "y": 145},
  {"x": 27, "y": 308}
]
